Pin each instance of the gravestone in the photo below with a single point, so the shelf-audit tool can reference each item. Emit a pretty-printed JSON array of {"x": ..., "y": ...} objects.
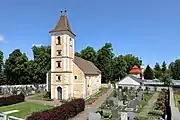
[
  {"x": 94, "y": 116},
  {"x": 14, "y": 118},
  {"x": 2, "y": 116},
  {"x": 131, "y": 115},
  {"x": 114, "y": 114},
  {"x": 133, "y": 104},
  {"x": 124, "y": 116}
]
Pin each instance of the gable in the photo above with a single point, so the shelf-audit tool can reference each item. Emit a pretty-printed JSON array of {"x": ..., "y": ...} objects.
[{"x": 128, "y": 81}]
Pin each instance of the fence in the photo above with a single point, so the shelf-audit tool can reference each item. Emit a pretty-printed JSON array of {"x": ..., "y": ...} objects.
[{"x": 4, "y": 116}]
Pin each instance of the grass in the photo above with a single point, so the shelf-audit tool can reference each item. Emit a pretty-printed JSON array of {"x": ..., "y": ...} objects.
[
  {"x": 101, "y": 90},
  {"x": 25, "y": 108},
  {"x": 40, "y": 96},
  {"x": 177, "y": 99},
  {"x": 97, "y": 94}
]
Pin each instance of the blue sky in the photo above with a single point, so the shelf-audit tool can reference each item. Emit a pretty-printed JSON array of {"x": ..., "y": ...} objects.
[{"x": 149, "y": 29}]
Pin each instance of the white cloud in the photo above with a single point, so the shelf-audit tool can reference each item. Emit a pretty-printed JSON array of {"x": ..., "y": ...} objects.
[{"x": 1, "y": 38}]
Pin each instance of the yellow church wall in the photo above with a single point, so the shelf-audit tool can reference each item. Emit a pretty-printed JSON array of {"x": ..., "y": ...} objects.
[{"x": 78, "y": 84}]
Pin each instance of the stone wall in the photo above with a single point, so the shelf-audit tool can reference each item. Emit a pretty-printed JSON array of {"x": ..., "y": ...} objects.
[
  {"x": 25, "y": 89},
  {"x": 175, "y": 115}
]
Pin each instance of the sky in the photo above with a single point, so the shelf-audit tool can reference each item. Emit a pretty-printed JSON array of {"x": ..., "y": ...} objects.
[{"x": 149, "y": 29}]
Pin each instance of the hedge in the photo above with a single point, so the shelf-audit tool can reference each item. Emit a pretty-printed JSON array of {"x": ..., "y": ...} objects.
[
  {"x": 63, "y": 112},
  {"x": 13, "y": 99}
]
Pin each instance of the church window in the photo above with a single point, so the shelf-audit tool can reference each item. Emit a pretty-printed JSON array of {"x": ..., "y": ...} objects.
[
  {"x": 58, "y": 64},
  {"x": 58, "y": 42},
  {"x": 75, "y": 77},
  {"x": 58, "y": 77},
  {"x": 70, "y": 42},
  {"x": 59, "y": 52}
]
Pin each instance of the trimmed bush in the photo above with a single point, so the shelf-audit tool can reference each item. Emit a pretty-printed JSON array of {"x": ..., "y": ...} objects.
[
  {"x": 156, "y": 112},
  {"x": 63, "y": 112},
  {"x": 13, "y": 99}
]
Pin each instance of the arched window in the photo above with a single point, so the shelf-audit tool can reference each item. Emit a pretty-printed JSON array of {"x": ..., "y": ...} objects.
[
  {"x": 58, "y": 41},
  {"x": 70, "y": 40}
]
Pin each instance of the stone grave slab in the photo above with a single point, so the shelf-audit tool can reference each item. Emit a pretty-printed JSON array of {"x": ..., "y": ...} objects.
[
  {"x": 124, "y": 116},
  {"x": 114, "y": 114},
  {"x": 14, "y": 118},
  {"x": 131, "y": 115},
  {"x": 94, "y": 116}
]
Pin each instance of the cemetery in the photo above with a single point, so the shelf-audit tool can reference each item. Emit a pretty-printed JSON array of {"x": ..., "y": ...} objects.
[{"x": 125, "y": 102}]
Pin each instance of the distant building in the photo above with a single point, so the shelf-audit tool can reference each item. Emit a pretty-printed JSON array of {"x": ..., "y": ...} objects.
[
  {"x": 70, "y": 76},
  {"x": 136, "y": 79}
]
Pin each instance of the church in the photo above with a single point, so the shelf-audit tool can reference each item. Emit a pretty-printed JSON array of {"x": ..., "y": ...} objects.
[{"x": 70, "y": 76}]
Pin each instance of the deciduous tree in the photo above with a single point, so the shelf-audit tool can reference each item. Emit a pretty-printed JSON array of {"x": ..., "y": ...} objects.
[{"x": 104, "y": 62}]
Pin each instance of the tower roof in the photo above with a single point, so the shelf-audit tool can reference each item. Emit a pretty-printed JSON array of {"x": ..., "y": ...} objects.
[
  {"x": 135, "y": 70},
  {"x": 62, "y": 24}
]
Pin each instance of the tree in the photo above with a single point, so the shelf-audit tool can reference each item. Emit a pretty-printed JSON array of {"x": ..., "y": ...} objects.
[
  {"x": 88, "y": 54},
  {"x": 42, "y": 63},
  {"x": 132, "y": 60},
  {"x": 166, "y": 79},
  {"x": 175, "y": 69},
  {"x": 2, "y": 76},
  {"x": 1, "y": 61},
  {"x": 148, "y": 73},
  {"x": 119, "y": 67},
  {"x": 104, "y": 62},
  {"x": 77, "y": 54},
  {"x": 157, "y": 67},
  {"x": 164, "y": 67},
  {"x": 15, "y": 68},
  {"x": 157, "y": 71}
]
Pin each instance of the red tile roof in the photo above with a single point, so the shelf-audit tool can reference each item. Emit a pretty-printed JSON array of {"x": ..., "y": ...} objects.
[{"x": 135, "y": 70}]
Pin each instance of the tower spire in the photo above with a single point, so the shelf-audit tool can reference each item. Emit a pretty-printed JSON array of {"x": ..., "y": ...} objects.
[{"x": 63, "y": 23}]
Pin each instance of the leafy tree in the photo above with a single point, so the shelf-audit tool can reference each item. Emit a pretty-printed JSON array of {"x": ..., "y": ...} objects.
[
  {"x": 164, "y": 67},
  {"x": 2, "y": 76},
  {"x": 166, "y": 78},
  {"x": 77, "y": 54},
  {"x": 15, "y": 68},
  {"x": 148, "y": 73},
  {"x": 132, "y": 60},
  {"x": 42, "y": 63},
  {"x": 104, "y": 62},
  {"x": 1, "y": 60},
  {"x": 175, "y": 69},
  {"x": 88, "y": 54},
  {"x": 119, "y": 67}
]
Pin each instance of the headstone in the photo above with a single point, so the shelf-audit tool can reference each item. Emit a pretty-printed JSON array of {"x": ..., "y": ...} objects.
[
  {"x": 114, "y": 114},
  {"x": 111, "y": 103},
  {"x": 124, "y": 116},
  {"x": 14, "y": 118},
  {"x": 2, "y": 116},
  {"x": 94, "y": 116},
  {"x": 131, "y": 115},
  {"x": 133, "y": 104}
]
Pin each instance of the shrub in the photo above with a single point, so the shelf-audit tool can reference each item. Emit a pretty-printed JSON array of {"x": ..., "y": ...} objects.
[
  {"x": 156, "y": 112},
  {"x": 63, "y": 112},
  {"x": 47, "y": 95},
  {"x": 106, "y": 115},
  {"x": 13, "y": 99}
]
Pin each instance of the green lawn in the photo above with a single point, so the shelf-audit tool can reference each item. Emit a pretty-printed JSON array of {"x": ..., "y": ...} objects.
[
  {"x": 25, "y": 108},
  {"x": 177, "y": 98}
]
